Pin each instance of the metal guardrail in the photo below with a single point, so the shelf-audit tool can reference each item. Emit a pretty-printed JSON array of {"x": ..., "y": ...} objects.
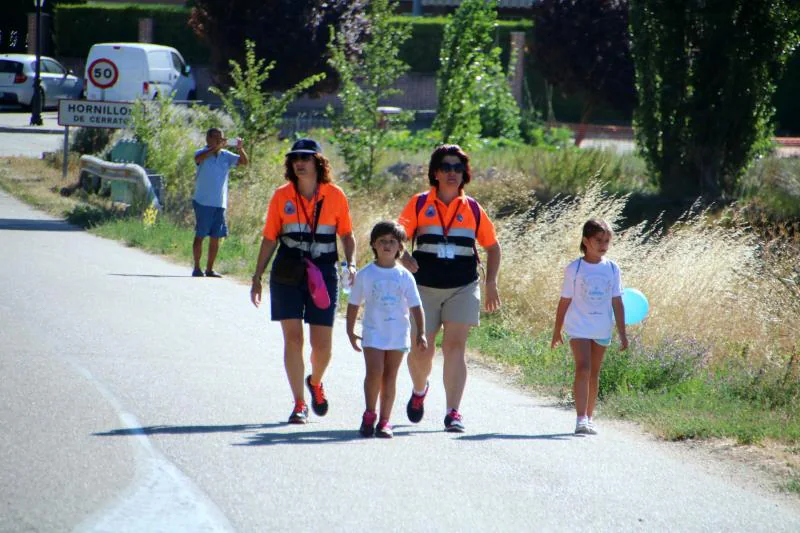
[{"x": 127, "y": 172}]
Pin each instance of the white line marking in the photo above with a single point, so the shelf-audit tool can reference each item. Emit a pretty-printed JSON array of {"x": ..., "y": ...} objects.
[{"x": 161, "y": 498}]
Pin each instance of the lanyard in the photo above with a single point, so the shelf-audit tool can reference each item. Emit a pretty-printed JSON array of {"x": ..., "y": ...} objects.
[
  {"x": 311, "y": 223},
  {"x": 446, "y": 229}
]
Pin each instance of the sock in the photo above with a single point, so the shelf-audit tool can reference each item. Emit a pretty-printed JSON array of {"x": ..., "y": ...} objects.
[
  {"x": 584, "y": 419},
  {"x": 420, "y": 392}
]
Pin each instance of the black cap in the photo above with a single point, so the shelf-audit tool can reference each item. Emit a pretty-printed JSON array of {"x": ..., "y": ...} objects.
[{"x": 305, "y": 146}]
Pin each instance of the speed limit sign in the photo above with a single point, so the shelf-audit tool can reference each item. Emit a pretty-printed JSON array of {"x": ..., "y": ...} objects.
[{"x": 103, "y": 73}]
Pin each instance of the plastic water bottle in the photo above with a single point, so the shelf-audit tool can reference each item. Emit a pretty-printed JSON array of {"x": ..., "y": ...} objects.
[{"x": 344, "y": 277}]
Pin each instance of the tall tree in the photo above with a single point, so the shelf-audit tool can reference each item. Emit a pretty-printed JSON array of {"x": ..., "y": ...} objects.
[
  {"x": 292, "y": 33},
  {"x": 582, "y": 48},
  {"x": 474, "y": 95},
  {"x": 706, "y": 71},
  {"x": 367, "y": 78}
]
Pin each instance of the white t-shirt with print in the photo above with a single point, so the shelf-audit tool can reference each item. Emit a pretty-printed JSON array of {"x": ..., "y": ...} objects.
[
  {"x": 387, "y": 294},
  {"x": 591, "y": 287}
]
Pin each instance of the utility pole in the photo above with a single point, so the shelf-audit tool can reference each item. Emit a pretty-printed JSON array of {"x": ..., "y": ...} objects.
[{"x": 36, "y": 102}]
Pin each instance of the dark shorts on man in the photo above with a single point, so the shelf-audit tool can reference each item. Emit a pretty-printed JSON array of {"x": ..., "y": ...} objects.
[
  {"x": 210, "y": 221},
  {"x": 289, "y": 302}
]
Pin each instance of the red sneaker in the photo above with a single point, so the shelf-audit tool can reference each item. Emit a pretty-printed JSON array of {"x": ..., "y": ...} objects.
[
  {"x": 384, "y": 430},
  {"x": 453, "y": 422},
  {"x": 318, "y": 401}
]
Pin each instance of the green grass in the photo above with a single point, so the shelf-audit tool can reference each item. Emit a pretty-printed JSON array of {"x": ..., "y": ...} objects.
[
  {"x": 665, "y": 388},
  {"x": 167, "y": 238},
  {"x": 793, "y": 485}
]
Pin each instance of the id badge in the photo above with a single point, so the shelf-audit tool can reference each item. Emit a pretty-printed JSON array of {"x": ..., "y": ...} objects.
[
  {"x": 441, "y": 251},
  {"x": 450, "y": 251}
]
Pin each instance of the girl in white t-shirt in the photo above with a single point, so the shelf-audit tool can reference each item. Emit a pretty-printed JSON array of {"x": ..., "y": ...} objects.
[
  {"x": 388, "y": 292},
  {"x": 591, "y": 301}
]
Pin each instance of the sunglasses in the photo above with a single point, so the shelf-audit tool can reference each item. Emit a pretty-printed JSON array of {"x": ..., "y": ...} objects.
[
  {"x": 301, "y": 157},
  {"x": 455, "y": 167}
]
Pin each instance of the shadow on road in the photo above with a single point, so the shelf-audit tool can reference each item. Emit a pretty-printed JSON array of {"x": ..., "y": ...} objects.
[
  {"x": 184, "y": 430},
  {"x": 20, "y": 224},
  {"x": 503, "y": 436},
  {"x": 302, "y": 437},
  {"x": 150, "y": 275}
]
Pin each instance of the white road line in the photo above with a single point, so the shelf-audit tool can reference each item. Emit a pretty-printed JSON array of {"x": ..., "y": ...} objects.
[{"x": 161, "y": 498}]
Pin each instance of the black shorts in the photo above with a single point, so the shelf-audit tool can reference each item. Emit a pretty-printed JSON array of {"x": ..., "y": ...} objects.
[{"x": 294, "y": 302}]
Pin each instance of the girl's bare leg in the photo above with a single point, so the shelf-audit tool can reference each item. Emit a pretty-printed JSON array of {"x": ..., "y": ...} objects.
[
  {"x": 374, "y": 359},
  {"x": 582, "y": 353},
  {"x": 598, "y": 352},
  {"x": 391, "y": 364}
]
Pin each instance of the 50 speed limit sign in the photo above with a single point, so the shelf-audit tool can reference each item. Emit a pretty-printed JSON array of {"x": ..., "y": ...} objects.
[{"x": 103, "y": 73}]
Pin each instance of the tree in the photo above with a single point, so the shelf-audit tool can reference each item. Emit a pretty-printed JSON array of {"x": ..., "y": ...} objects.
[
  {"x": 474, "y": 96},
  {"x": 292, "y": 33},
  {"x": 705, "y": 73},
  {"x": 582, "y": 48},
  {"x": 256, "y": 115},
  {"x": 367, "y": 78}
]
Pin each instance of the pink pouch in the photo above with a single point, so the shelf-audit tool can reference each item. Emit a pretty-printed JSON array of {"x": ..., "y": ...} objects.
[{"x": 316, "y": 285}]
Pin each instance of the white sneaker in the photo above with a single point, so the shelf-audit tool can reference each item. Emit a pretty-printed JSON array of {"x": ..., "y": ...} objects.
[
  {"x": 591, "y": 429},
  {"x": 582, "y": 428}
]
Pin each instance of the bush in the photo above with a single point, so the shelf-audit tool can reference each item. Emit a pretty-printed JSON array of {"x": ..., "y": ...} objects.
[
  {"x": 172, "y": 134},
  {"x": 90, "y": 140}
]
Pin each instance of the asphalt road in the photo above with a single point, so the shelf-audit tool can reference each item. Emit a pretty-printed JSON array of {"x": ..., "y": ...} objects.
[
  {"x": 18, "y": 138},
  {"x": 137, "y": 398}
]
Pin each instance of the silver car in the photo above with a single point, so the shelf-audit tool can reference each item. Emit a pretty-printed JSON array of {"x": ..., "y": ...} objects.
[{"x": 18, "y": 71}]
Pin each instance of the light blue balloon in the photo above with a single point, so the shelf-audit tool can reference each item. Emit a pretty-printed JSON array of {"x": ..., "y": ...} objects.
[{"x": 636, "y": 305}]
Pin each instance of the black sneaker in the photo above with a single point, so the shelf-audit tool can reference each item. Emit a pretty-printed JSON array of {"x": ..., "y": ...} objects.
[
  {"x": 318, "y": 401},
  {"x": 453, "y": 422},
  {"x": 299, "y": 414},
  {"x": 213, "y": 274},
  {"x": 367, "y": 428},
  {"x": 197, "y": 273},
  {"x": 416, "y": 408}
]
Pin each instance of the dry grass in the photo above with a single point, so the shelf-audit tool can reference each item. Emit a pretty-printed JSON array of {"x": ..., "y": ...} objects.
[{"x": 706, "y": 281}]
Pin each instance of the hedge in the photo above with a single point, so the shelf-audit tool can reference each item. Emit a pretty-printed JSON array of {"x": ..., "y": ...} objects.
[
  {"x": 421, "y": 51},
  {"x": 119, "y": 23},
  {"x": 78, "y": 27}
]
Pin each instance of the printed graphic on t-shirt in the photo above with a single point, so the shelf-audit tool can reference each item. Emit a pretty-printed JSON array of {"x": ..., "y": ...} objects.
[
  {"x": 596, "y": 292},
  {"x": 387, "y": 294}
]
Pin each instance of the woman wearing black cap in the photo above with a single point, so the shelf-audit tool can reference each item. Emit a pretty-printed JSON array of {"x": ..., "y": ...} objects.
[{"x": 305, "y": 215}]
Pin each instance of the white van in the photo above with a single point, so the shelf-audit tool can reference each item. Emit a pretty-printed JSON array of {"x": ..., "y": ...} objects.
[{"x": 123, "y": 72}]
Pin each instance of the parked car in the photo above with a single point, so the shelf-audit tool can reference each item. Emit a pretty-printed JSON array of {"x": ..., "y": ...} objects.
[
  {"x": 18, "y": 71},
  {"x": 123, "y": 72}
]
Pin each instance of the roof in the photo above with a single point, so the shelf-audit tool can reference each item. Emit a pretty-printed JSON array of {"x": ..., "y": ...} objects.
[
  {"x": 142, "y": 46},
  {"x": 21, "y": 57}
]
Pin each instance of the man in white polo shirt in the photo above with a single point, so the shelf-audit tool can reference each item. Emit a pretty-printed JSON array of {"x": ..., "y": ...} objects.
[{"x": 211, "y": 196}]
